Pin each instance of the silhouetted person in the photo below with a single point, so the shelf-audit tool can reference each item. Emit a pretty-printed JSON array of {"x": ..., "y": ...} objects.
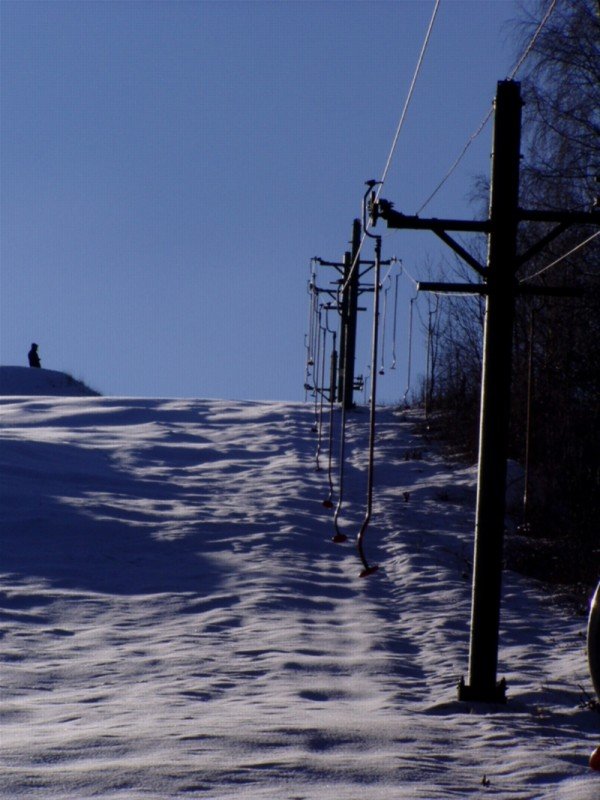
[{"x": 34, "y": 359}]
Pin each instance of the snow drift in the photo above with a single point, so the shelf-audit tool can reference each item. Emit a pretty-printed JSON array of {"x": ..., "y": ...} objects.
[
  {"x": 26, "y": 381},
  {"x": 176, "y": 621}
]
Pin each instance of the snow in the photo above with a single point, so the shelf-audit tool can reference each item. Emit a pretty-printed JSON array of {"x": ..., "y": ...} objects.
[
  {"x": 177, "y": 623},
  {"x": 28, "y": 381}
]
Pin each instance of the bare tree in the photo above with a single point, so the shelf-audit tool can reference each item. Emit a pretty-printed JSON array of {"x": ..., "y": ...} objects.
[
  {"x": 557, "y": 360},
  {"x": 556, "y": 367}
]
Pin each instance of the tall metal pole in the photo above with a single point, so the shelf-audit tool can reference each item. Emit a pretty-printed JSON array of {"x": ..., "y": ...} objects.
[
  {"x": 370, "y": 569},
  {"x": 349, "y": 317},
  {"x": 500, "y": 288},
  {"x": 495, "y": 400},
  {"x": 343, "y": 325}
]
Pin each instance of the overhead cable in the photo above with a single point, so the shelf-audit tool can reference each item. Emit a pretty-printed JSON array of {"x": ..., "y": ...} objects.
[
  {"x": 407, "y": 102},
  {"x": 489, "y": 113},
  {"x": 529, "y": 47},
  {"x": 561, "y": 258},
  {"x": 409, "y": 95},
  {"x": 457, "y": 161}
]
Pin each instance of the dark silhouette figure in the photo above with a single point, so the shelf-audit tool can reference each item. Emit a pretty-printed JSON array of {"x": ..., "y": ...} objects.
[{"x": 34, "y": 359}]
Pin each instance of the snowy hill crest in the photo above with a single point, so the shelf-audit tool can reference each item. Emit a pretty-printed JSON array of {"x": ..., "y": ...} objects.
[{"x": 25, "y": 382}]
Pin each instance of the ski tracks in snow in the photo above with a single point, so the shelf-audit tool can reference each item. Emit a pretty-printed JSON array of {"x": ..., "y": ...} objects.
[{"x": 176, "y": 621}]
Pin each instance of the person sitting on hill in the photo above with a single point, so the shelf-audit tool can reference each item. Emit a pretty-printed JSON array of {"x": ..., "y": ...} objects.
[{"x": 34, "y": 359}]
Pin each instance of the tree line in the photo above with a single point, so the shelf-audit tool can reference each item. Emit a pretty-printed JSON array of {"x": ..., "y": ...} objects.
[{"x": 555, "y": 429}]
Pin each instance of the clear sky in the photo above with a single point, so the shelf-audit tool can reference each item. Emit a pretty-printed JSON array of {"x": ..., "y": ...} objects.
[{"x": 170, "y": 168}]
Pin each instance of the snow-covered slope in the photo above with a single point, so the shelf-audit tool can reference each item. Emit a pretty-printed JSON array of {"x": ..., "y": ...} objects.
[
  {"x": 177, "y": 623},
  {"x": 25, "y": 381}
]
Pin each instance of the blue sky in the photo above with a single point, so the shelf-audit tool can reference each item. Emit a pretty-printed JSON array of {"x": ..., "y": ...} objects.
[{"x": 169, "y": 169}]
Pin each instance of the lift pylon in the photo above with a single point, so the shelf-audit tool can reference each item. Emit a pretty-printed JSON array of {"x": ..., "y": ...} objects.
[{"x": 500, "y": 289}]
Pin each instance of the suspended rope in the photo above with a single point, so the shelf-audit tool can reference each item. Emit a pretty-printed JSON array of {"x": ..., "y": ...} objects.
[
  {"x": 339, "y": 537},
  {"x": 413, "y": 280},
  {"x": 328, "y": 502},
  {"x": 316, "y": 370},
  {"x": 369, "y": 569},
  {"x": 306, "y": 370},
  {"x": 395, "y": 326},
  {"x": 430, "y": 359},
  {"x": 309, "y": 337},
  {"x": 320, "y": 391},
  {"x": 383, "y": 322},
  {"x": 409, "y": 358},
  {"x": 528, "y": 422},
  {"x": 367, "y": 383},
  {"x": 327, "y": 393},
  {"x": 312, "y": 327}
]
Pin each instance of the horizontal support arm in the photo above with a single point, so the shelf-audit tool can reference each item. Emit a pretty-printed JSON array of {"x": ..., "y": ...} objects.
[
  {"x": 383, "y": 209},
  {"x": 550, "y": 291},
  {"x": 567, "y": 217},
  {"x": 451, "y": 288}
]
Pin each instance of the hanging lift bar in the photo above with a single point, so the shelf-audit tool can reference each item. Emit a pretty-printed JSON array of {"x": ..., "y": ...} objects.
[
  {"x": 369, "y": 569},
  {"x": 328, "y": 502},
  {"x": 395, "y": 327},
  {"x": 348, "y": 378},
  {"x": 320, "y": 385},
  {"x": 409, "y": 357}
]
